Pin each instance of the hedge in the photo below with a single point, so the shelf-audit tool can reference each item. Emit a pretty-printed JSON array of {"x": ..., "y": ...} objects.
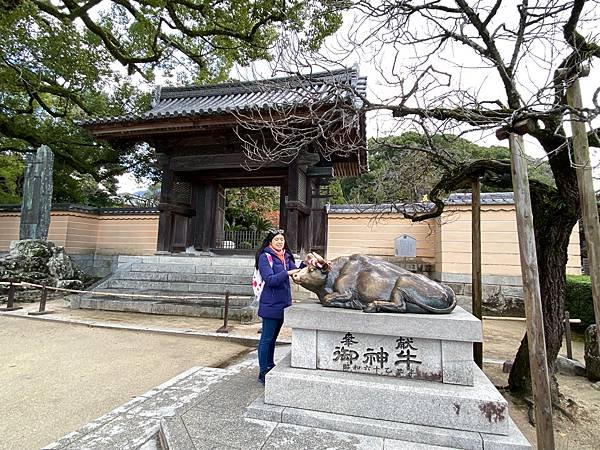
[{"x": 578, "y": 299}]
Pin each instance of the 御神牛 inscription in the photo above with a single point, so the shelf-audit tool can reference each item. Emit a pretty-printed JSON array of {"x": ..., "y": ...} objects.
[{"x": 402, "y": 356}]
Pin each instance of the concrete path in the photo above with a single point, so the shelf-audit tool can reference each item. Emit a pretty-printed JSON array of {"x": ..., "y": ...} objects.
[
  {"x": 205, "y": 409},
  {"x": 247, "y": 333}
]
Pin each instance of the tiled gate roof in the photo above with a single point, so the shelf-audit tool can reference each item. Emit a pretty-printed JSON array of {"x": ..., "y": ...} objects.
[{"x": 306, "y": 90}]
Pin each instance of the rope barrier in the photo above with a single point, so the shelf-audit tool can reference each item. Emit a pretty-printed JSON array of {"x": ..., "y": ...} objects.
[
  {"x": 42, "y": 309},
  {"x": 104, "y": 293},
  {"x": 225, "y": 328}
]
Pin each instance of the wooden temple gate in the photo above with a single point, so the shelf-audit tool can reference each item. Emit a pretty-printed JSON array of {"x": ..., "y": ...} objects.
[{"x": 193, "y": 131}]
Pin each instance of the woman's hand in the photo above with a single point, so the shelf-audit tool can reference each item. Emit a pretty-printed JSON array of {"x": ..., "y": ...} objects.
[{"x": 312, "y": 260}]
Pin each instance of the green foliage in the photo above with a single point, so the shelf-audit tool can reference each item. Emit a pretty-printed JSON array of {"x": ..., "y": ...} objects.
[
  {"x": 53, "y": 73},
  {"x": 64, "y": 61},
  {"x": 240, "y": 219},
  {"x": 337, "y": 192},
  {"x": 12, "y": 167},
  {"x": 402, "y": 169},
  {"x": 578, "y": 299},
  {"x": 246, "y": 208},
  {"x": 82, "y": 189}
]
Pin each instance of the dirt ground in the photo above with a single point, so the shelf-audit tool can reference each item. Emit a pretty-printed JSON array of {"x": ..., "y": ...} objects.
[
  {"x": 582, "y": 402},
  {"x": 56, "y": 377}
]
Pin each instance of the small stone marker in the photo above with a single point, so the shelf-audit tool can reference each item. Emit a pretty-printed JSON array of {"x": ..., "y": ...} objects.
[
  {"x": 37, "y": 195},
  {"x": 406, "y": 246}
]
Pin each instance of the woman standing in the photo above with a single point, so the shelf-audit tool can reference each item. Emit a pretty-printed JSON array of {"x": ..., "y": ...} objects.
[{"x": 273, "y": 260}]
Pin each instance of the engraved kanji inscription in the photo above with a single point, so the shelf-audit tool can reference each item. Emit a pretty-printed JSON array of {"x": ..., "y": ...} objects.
[
  {"x": 407, "y": 356},
  {"x": 375, "y": 357}
]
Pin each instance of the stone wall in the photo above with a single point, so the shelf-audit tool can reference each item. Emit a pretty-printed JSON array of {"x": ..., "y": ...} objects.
[
  {"x": 501, "y": 295},
  {"x": 96, "y": 265}
]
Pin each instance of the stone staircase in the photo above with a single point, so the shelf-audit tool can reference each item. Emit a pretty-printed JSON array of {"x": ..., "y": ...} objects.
[{"x": 186, "y": 285}]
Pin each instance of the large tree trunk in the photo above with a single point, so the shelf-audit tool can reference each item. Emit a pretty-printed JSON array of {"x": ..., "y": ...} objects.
[{"x": 555, "y": 213}]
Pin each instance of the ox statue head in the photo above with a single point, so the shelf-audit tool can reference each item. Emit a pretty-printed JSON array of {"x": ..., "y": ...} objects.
[{"x": 314, "y": 275}]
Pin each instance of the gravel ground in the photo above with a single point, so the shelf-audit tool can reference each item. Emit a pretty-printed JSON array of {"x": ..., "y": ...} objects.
[{"x": 57, "y": 377}]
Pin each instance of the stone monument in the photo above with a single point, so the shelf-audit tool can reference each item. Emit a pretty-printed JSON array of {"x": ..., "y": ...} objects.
[
  {"x": 409, "y": 377},
  {"x": 37, "y": 195}
]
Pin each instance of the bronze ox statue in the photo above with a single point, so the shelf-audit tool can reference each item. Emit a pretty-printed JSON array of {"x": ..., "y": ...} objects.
[{"x": 372, "y": 284}]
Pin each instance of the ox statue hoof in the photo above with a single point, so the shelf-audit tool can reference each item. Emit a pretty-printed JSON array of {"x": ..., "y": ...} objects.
[{"x": 371, "y": 308}]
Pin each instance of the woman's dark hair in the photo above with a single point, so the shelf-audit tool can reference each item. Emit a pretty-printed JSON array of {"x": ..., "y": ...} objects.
[{"x": 267, "y": 240}]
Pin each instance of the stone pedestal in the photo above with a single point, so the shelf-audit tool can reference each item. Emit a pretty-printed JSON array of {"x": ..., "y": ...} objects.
[
  {"x": 409, "y": 376},
  {"x": 414, "y": 346}
]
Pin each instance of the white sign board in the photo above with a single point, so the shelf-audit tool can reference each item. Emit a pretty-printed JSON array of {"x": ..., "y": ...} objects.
[{"x": 406, "y": 246}]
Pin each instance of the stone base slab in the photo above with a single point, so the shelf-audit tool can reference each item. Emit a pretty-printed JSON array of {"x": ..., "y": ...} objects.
[
  {"x": 478, "y": 408},
  {"x": 456, "y": 326},
  {"x": 432, "y": 436}
]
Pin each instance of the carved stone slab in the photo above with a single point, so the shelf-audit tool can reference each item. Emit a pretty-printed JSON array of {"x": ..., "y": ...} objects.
[
  {"x": 437, "y": 348},
  {"x": 37, "y": 194},
  {"x": 395, "y": 356}
]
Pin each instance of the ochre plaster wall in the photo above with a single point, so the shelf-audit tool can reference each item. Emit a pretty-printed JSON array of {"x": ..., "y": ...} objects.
[
  {"x": 499, "y": 242},
  {"x": 127, "y": 235},
  {"x": 445, "y": 241},
  {"x": 9, "y": 229},
  {"x": 360, "y": 233},
  {"x": 83, "y": 234}
]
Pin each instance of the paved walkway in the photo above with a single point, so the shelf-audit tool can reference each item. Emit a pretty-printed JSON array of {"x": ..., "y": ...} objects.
[{"x": 205, "y": 408}]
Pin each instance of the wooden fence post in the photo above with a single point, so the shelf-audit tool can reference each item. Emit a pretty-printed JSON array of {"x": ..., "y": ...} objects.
[
  {"x": 540, "y": 383},
  {"x": 476, "y": 264},
  {"x": 587, "y": 196}
]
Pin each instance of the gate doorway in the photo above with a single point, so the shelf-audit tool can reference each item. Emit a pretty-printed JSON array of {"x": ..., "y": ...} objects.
[{"x": 248, "y": 214}]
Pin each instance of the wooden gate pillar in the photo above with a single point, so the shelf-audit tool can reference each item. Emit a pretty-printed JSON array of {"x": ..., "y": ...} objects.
[
  {"x": 204, "y": 222},
  {"x": 165, "y": 219}
]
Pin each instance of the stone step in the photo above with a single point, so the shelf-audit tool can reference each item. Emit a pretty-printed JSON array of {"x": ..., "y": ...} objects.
[
  {"x": 202, "y": 307},
  {"x": 139, "y": 285},
  {"x": 428, "y": 437},
  {"x": 212, "y": 278},
  {"x": 173, "y": 435},
  {"x": 187, "y": 269},
  {"x": 201, "y": 298},
  {"x": 125, "y": 261},
  {"x": 204, "y": 276},
  {"x": 479, "y": 408}
]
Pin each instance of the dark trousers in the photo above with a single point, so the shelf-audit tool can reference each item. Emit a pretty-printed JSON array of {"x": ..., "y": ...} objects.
[{"x": 266, "y": 345}]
